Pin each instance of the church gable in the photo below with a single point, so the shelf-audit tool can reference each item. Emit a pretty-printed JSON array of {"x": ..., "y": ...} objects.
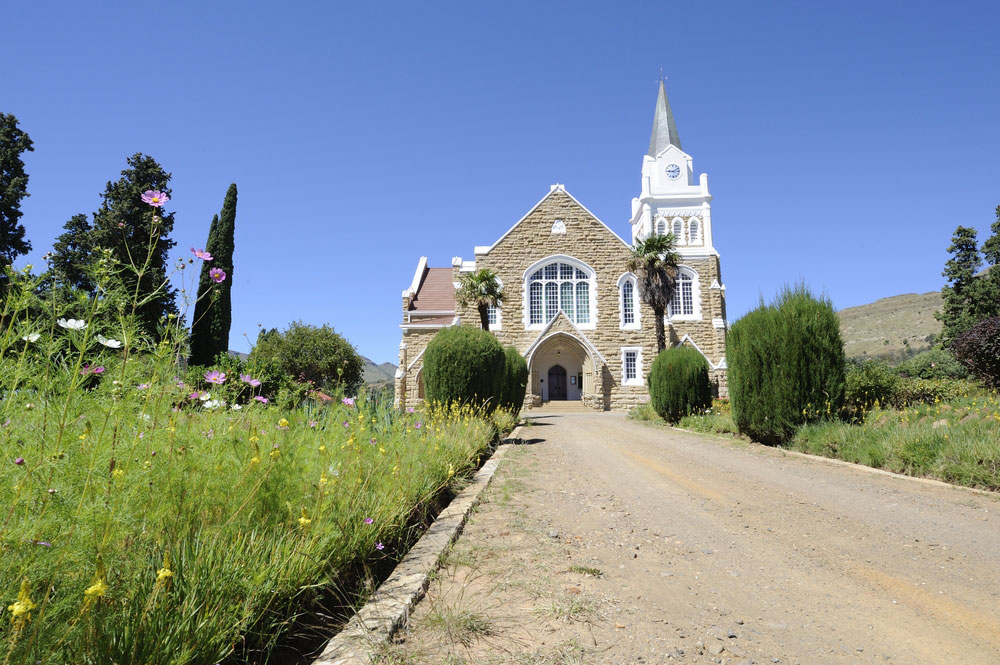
[{"x": 553, "y": 225}]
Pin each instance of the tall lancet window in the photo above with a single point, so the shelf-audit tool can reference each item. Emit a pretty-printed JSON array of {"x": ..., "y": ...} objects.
[
  {"x": 678, "y": 231},
  {"x": 661, "y": 227},
  {"x": 693, "y": 236},
  {"x": 628, "y": 305}
]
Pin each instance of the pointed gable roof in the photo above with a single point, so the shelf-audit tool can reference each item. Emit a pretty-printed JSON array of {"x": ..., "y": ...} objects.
[{"x": 664, "y": 128}]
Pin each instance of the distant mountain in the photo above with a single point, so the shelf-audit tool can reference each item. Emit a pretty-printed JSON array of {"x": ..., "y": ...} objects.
[
  {"x": 384, "y": 373},
  {"x": 891, "y": 328}
]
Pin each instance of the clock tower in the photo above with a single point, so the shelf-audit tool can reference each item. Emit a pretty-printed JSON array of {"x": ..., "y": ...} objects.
[{"x": 672, "y": 200}]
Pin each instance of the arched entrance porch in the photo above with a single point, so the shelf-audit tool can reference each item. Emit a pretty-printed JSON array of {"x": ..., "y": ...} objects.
[{"x": 561, "y": 368}]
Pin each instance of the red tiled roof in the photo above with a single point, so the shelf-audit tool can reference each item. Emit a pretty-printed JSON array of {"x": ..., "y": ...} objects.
[{"x": 436, "y": 293}]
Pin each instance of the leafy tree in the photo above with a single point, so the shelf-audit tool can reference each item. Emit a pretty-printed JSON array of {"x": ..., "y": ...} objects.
[
  {"x": 654, "y": 264},
  {"x": 978, "y": 349},
  {"x": 13, "y": 188},
  {"x": 989, "y": 283},
  {"x": 958, "y": 313},
  {"x": 308, "y": 353},
  {"x": 213, "y": 312},
  {"x": 136, "y": 236},
  {"x": 482, "y": 289}
]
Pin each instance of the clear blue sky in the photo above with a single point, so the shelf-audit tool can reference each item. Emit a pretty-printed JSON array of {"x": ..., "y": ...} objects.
[{"x": 844, "y": 141}]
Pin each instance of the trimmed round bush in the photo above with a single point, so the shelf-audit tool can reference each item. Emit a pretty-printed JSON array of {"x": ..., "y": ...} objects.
[
  {"x": 679, "y": 383},
  {"x": 465, "y": 365},
  {"x": 515, "y": 380},
  {"x": 786, "y": 366}
]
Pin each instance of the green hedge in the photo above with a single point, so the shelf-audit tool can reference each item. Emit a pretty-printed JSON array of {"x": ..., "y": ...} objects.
[
  {"x": 464, "y": 365},
  {"x": 786, "y": 366},
  {"x": 515, "y": 380},
  {"x": 679, "y": 383}
]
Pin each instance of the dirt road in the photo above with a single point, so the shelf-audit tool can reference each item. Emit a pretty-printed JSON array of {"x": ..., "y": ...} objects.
[{"x": 608, "y": 541}]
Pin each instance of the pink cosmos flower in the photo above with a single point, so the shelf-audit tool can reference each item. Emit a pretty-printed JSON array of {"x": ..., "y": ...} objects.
[
  {"x": 410, "y": 409},
  {"x": 312, "y": 424},
  {"x": 19, "y": 461},
  {"x": 261, "y": 399},
  {"x": 142, "y": 386},
  {"x": 215, "y": 376},
  {"x": 372, "y": 441},
  {"x": 218, "y": 275},
  {"x": 155, "y": 198},
  {"x": 379, "y": 546},
  {"x": 201, "y": 254},
  {"x": 87, "y": 369},
  {"x": 369, "y": 520},
  {"x": 198, "y": 394},
  {"x": 348, "y": 401},
  {"x": 418, "y": 424},
  {"x": 346, "y": 424},
  {"x": 246, "y": 378}
]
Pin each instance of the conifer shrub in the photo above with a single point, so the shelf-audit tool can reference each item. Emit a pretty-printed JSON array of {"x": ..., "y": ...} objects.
[
  {"x": 979, "y": 350},
  {"x": 464, "y": 365},
  {"x": 679, "y": 383},
  {"x": 515, "y": 380},
  {"x": 786, "y": 366}
]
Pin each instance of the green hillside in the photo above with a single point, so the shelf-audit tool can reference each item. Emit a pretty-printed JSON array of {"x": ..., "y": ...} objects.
[{"x": 891, "y": 328}]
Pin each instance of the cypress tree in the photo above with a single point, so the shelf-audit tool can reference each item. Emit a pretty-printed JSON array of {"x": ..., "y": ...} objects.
[
  {"x": 960, "y": 294},
  {"x": 213, "y": 312},
  {"x": 13, "y": 188}
]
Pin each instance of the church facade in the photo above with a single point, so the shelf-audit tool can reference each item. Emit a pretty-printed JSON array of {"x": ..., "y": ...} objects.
[{"x": 572, "y": 307}]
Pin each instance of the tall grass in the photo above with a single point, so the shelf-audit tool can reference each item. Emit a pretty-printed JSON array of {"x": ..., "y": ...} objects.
[{"x": 148, "y": 521}]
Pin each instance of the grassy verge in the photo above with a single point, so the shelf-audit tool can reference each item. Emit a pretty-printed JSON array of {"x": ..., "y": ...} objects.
[
  {"x": 958, "y": 441},
  {"x": 140, "y": 526}
]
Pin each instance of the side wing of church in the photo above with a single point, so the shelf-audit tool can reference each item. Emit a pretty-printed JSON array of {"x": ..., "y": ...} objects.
[{"x": 572, "y": 307}]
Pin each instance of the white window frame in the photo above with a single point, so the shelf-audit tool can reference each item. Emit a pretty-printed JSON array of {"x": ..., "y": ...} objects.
[
  {"x": 701, "y": 237},
  {"x": 636, "y": 324},
  {"x": 678, "y": 237},
  {"x": 656, "y": 226},
  {"x": 499, "y": 312},
  {"x": 695, "y": 298},
  {"x": 590, "y": 280},
  {"x": 638, "y": 380}
]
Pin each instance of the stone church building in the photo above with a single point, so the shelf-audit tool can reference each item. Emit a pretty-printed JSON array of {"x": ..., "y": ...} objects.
[{"x": 572, "y": 307}]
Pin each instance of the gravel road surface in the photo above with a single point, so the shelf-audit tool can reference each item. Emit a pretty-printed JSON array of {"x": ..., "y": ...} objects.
[{"x": 608, "y": 541}]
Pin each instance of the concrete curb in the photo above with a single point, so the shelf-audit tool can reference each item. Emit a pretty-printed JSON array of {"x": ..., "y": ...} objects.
[
  {"x": 389, "y": 607},
  {"x": 852, "y": 465}
]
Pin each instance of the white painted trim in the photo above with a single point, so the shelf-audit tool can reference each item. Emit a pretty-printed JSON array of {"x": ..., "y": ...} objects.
[
  {"x": 417, "y": 276},
  {"x": 695, "y": 296},
  {"x": 577, "y": 263},
  {"x": 637, "y": 323},
  {"x": 595, "y": 354},
  {"x": 711, "y": 365},
  {"x": 718, "y": 323},
  {"x": 553, "y": 190},
  {"x": 639, "y": 379},
  {"x": 419, "y": 356},
  {"x": 558, "y": 226},
  {"x": 417, "y": 313},
  {"x": 424, "y": 326}
]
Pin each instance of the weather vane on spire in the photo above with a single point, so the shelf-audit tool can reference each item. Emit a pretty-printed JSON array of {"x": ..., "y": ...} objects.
[{"x": 662, "y": 77}]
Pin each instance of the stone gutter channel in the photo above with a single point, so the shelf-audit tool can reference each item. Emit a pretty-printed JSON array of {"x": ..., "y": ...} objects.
[{"x": 389, "y": 607}]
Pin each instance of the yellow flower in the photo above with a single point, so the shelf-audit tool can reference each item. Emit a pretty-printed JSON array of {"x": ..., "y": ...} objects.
[
  {"x": 304, "y": 521},
  {"x": 96, "y": 590},
  {"x": 20, "y": 611},
  {"x": 323, "y": 479},
  {"x": 322, "y": 449},
  {"x": 274, "y": 453},
  {"x": 163, "y": 574},
  {"x": 254, "y": 461},
  {"x": 117, "y": 473},
  {"x": 254, "y": 438},
  {"x": 381, "y": 450},
  {"x": 451, "y": 471}
]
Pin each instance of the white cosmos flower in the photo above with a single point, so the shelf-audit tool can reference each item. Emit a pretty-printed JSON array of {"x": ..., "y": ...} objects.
[
  {"x": 110, "y": 343},
  {"x": 72, "y": 324},
  {"x": 236, "y": 407},
  {"x": 206, "y": 397},
  {"x": 31, "y": 337},
  {"x": 214, "y": 403}
]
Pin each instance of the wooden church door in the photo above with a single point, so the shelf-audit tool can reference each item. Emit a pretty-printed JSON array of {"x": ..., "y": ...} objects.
[{"x": 557, "y": 383}]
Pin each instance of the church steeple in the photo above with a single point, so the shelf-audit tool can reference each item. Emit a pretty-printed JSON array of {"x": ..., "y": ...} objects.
[{"x": 664, "y": 127}]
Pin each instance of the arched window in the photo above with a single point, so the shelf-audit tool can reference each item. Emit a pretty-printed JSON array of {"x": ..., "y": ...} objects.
[
  {"x": 558, "y": 286},
  {"x": 693, "y": 231},
  {"x": 628, "y": 302},
  {"x": 683, "y": 303},
  {"x": 661, "y": 227},
  {"x": 678, "y": 231}
]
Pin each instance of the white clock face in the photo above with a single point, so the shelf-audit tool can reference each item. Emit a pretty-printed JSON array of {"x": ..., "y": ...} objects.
[{"x": 673, "y": 171}]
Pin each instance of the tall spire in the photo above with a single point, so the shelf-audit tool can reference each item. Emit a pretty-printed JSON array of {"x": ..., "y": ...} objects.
[{"x": 664, "y": 127}]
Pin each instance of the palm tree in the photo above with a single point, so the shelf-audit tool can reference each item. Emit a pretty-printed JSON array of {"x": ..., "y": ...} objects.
[
  {"x": 482, "y": 289},
  {"x": 654, "y": 264}
]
